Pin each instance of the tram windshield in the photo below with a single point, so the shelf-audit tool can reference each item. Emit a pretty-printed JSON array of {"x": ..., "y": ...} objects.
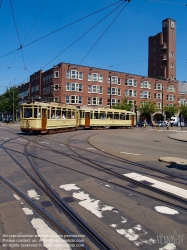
[{"x": 27, "y": 113}]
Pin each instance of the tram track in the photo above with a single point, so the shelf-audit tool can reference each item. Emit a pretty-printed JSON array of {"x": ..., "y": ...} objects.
[
  {"x": 113, "y": 173},
  {"x": 84, "y": 160},
  {"x": 57, "y": 201},
  {"x": 118, "y": 176}
]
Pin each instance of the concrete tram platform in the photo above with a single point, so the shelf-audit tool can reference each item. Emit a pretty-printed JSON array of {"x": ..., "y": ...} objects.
[{"x": 177, "y": 162}]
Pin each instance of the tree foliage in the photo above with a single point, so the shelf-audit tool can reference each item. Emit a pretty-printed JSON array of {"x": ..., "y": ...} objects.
[
  {"x": 171, "y": 110},
  {"x": 183, "y": 110},
  {"x": 123, "y": 105},
  {"x": 148, "y": 108},
  {"x": 8, "y": 100}
]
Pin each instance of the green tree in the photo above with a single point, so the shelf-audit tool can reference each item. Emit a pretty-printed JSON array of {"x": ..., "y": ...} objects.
[
  {"x": 123, "y": 105},
  {"x": 148, "y": 108},
  {"x": 9, "y": 100},
  {"x": 171, "y": 110},
  {"x": 183, "y": 110}
]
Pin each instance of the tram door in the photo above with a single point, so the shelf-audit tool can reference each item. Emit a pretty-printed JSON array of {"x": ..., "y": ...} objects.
[
  {"x": 87, "y": 119},
  {"x": 44, "y": 119},
  {"x": 132, "y": 120}
]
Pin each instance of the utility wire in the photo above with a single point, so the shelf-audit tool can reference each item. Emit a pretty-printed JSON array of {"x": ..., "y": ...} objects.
[
  {"x": 82, "y": 35},
  {"x": 104, "y": 32},
  {"x": 17, "y": 32},
  {"x": 25, "y": 40},
  {"x": 35, "y": 20},
  {"x": 62, "y": 28}
]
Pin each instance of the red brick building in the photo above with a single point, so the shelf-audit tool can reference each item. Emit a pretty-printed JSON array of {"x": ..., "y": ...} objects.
[
  {"x": 162, "y": 52},
  {"x": 83, "y": 85}
]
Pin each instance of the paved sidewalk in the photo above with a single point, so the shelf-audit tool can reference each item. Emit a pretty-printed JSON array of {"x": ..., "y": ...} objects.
[{"x": 180, "y": 135}]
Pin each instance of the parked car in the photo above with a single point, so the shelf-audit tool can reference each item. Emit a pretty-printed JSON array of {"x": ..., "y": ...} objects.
[
  {"x": 140, "y": 124},
  {"x": 161, "y": 124},
  {"x": 181, "y": 124},
  {"x": 174, "y": 121}
]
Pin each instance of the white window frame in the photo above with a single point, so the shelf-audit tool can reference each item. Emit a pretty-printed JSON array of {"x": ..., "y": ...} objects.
[{"x": 56, "y": 74}]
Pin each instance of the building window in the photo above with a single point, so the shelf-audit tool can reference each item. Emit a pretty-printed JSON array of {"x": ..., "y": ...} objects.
[
  {"x": 145, "y": 85},
  {"x": 73, "y": 99},
  {"x": 172, "y": 54},
  {"x": 74, "y": 74},
  {"x": 95, "y": 89},
  {"x": 131, "y": 82},
  {"x": 172, "y": 77},
  {"x": 182, "y": 102},
  {"x": 95, "y": 77},
  {"x": 159, "y": 105},
  {"x": 114, "y": 80},
  {"x": 114, "y": 91},
  {"x": 172, "y": 66},
  {"x": 74, "y": 87},
  {"x": 130, "y": 92},
  {"x": 56, "y": 74},
  {"x": 170, "y": 98},
  {"x": 171, "y": 88},
  {"x": 95, "y": 101}
]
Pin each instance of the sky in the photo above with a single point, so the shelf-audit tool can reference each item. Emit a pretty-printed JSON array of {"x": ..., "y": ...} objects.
[{"x": 107, "y": 34}]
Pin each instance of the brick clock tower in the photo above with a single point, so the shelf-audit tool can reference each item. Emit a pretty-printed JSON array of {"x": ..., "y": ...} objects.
[{"x": 162, "y": 52}]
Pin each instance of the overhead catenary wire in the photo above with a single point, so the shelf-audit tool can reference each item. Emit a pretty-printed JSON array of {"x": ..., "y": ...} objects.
[
  {"x": 24, "y": 41},
  {"x": 104, "y": 32},
  {"x": 63, "y": 27},
  {"x": 83, "y": 35},
  {"x": 17, "y": 32}
]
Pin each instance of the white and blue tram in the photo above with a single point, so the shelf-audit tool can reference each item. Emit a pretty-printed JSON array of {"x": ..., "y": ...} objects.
[{"x": 56, "y": 117}]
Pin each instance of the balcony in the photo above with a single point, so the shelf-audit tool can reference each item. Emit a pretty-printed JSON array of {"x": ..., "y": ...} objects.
[
  {"x": 164, "y": 46},
  {"x": 164, "y": 57}
]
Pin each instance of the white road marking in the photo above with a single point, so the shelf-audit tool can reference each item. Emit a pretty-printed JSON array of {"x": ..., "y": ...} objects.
[
  {"x": 51, "y": 240},
  {"x": 33, "y": 194},
  {"x": 69, "y": 187},
  {"x": 91, "y": 148},
  {"x": 27, "y": 211},
  {"x": 158, "y": 184},
  {"x": 21, "y": 140},
  {"x": 16, "y": 197},
  {"x": 43, "y": 142},
  {"x": 129, "y": 153},
  {"x": 63, "y": 145},
  {"x": 96, "y": 207},
  {"x": 169, "y": 246},
  {"x": 4, "y": 138},
  {"x": 165, "y": 210}
]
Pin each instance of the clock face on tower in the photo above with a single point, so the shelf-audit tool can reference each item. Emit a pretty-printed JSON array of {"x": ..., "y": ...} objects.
[
  {"x": 164, "y": 24},
  {"x": 172, "y": 25}
]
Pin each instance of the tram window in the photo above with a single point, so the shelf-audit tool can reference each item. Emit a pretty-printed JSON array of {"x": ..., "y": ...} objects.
[
  {"x": 73, "y": 115},
  {"x": 91, "y": 114},
  {"x": 102, "y": 115},
  {"x": 28, "y": 113},
  {"x": 96, "y": 115},
  {"x": 109, "y": 115},
  {"x": 68, "y": 114},
  {"x": 58, "y": 113},
  {"x": 53, "y": 113},
  {"x": 116, "y": 116},
  {"x": 127, "y": 116},
  {"x": 81, "y": 114},
  {"x": 122, "y": 116}
]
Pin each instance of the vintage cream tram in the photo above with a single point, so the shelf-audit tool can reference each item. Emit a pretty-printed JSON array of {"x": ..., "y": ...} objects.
[
  {"x": 105, "y": 117},
  {"x": 56, "y": 117},
  {"x": 47, "y": 117}
]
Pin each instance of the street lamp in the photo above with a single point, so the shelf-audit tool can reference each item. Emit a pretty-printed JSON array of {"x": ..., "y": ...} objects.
[
  {"x": 162, "y": 100},
  {"x": 110, "y": 90}
]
